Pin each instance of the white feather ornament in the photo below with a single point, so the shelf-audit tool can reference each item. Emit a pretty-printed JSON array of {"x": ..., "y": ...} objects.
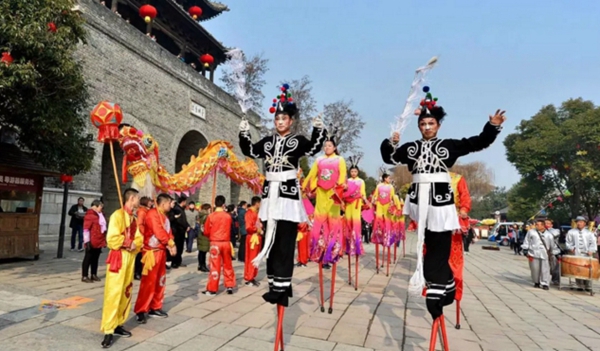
[
  {"x": 403, "y": 120},
  {"x": 238, "y": 66}
]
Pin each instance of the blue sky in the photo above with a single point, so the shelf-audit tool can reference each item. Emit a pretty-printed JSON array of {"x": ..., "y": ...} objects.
[{"x": 515, "y": 55}]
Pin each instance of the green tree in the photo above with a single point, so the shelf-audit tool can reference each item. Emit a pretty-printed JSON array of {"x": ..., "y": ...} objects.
[
  {"x": 43, "y": 95},
  {"x": 559, "y": 148},
  {"x": 492, "y": 201},
  {"x": 527, "y": 199}
]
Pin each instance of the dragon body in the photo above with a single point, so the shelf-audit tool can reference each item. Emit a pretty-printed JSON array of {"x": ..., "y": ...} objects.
[{"x": 141, "y": 160}]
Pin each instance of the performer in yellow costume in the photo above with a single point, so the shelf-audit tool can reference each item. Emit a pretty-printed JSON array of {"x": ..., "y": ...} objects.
[
  {"x": 124, "y": 241},
  {"x": 382, "y": 228}
]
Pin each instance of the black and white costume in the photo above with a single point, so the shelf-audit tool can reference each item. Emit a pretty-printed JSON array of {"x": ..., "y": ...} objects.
[
  {"x": 281, "y": 207},
  {"x": 430, "y": 203}
]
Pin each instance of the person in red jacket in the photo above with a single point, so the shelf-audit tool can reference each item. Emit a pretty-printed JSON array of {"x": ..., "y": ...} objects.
[
  {"x": 146, "y": 204},
  {"x": 253, "y": 241},
  {"x": 158, "y": 238},
  {"x": 218, "y": 230},
  {"x": 94, "y": 229},
  {"x": 303, "y": 240}
]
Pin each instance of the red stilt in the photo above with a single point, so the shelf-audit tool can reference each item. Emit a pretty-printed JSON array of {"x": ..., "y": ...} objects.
[
  {"x": 457, "y": 314},
  {"x": 333, "y": 270},
  {"x": 434, "y": 330},
  {"x": 349, "y": 269},
  {"x": 321, "y": 286},
  {"x": 279, "y": 333},
  {"x": 389, "y": 251},
  {"x": 377, "y": 257},
  {"x": 395, "y": 253},
  {"x": 356, "y": 272},
  {"x": 444, "y": 336}
]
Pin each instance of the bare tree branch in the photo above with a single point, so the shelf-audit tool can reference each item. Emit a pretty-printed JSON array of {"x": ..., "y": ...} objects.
[{"x": 348, "y": 122}]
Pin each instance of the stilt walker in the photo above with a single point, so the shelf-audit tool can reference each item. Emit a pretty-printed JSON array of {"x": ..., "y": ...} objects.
[
  {"x": 382, "y": 228},
  {"x": 327, "y": 175},
  {"x": 281, "y": 207},
  {"x": 304, "y": 229},
  {"x": 430, "y": 200},
  {"x": 355, "y": 197}
]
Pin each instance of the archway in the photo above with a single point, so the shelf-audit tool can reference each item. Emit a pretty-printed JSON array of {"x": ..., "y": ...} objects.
[
  {"x": 108, "y": 186},
  {"x": 190, "y": 144}
]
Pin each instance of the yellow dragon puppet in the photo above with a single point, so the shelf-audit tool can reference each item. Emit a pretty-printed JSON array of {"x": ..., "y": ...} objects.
[{"x": 141, "y": 160}]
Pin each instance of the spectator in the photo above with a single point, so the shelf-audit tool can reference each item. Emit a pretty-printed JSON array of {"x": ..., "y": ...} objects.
[
  {"x": 94, "y": 231},
  {"x": 77, "y": 212},
  {"x": 234, "y": 235},
  {"x": 241, "y": 218},
  {"x": 146, "y": 204},
  {"x": 191, "y": 215},
  {"x": 180, "y": 228},
  {"x": 202, "y": 242}
]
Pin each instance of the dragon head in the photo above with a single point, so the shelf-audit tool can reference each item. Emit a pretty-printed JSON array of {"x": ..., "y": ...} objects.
[{"x": 138, "y": 148}]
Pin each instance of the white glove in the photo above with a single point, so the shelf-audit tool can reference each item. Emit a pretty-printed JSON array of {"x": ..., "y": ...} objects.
[
  {"x": 317, "y": 122},
  {"x": 244, "y": 126}
]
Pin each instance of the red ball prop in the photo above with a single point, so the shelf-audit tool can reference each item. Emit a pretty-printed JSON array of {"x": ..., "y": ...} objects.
[
  {"x": 65, "y": 178},
  {"x": 272, "y": 110},
  {"x": 275, "y": 100},
  {"x": 107, "y": 117}
]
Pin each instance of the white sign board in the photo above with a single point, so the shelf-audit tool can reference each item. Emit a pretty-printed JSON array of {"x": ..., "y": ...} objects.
[{"x": 197, "y": 110}]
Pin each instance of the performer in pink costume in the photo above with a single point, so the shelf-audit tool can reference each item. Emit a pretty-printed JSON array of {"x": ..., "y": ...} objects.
[{"x": 382, "y": 228}]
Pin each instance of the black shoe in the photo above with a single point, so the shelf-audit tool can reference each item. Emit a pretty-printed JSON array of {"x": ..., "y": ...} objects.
[
  {"x": 209, "y": 293},
  {"x": 248, "y": 283},
  {"x": 95, "y": 278},
  {"x": 205, "y": 269},
  {"x": 326, "y": 266},
  {"x": 579, "y": 289},
  {"x": 229, "y": 291},
  {"x": 122, "y": 332},
  {"x": 137, "y": 277},
  {"x": 536, "y": 285},
  {"x": 108, "y": 341},
  {"x": 86, "y": 280},
  {"x": 158, "y": 314},
  {"x": 168, "y": 267},
  {"x": 545, "y": 287},
  {"x": 141, "y": 318},
  {"x": 298, "y": 264},
  {"x": 255, "y": 283}
]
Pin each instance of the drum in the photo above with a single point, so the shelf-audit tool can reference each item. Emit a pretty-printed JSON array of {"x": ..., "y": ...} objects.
[{"x": 579, "y": 267}]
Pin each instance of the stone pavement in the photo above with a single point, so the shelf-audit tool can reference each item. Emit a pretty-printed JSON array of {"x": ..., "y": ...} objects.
[{"x": 501, "y": 311}]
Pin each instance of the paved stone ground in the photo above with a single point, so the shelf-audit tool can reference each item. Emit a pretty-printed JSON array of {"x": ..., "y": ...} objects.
[{"x": 501, "y": 311}]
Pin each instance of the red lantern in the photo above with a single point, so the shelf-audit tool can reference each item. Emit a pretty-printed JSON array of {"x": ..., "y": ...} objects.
[
  {"x": 52, "y": 27},
  {"x": 207, "y": 60},
  {"x": 148, "y": 13},
  {"x": 195, "y": 12},
  {"x": 107, "y": 117},
  {"x": 65, "y": 178},
  {"x": 6, "y": 58}
]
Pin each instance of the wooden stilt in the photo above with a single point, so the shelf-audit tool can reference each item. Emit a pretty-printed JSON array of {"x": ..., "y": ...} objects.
[
  {"x": 321, "y": 286},
  {"x": 356, "y": 272},
  {"x": 457, "y": 314},
  {"x": 332, "y": 294},
  {"x": 377, "y": 258},
  {"x": 349, "y": 269},
  {"x": 279, "y": 332}
]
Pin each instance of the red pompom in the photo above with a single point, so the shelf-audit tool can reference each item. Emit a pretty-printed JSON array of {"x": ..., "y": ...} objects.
[
  {"x": 274, "y": 100},
  {"x": 272, "y": 110},
  {"x": 422, "y": 103},
  {"x": 291, "y": 99},
  {"x": 282, "y": 88},
  {"x": 282, "y": 99}
]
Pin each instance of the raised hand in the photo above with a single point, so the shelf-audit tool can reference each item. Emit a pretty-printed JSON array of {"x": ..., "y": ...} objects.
[
  {"x": 244, "y": 126},
  {"x": 395, "y": 138},
  {"x": 317, "y": 122},
  {"x": 418, "y": 112},
  {"x": 498, "y": 118}
]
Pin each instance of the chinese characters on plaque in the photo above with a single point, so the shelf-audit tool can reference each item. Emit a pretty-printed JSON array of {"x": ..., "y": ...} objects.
[{"x": 14, "y": 182}]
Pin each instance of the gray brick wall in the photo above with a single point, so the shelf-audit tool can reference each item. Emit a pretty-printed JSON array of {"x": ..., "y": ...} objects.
[{"x": 154, "y": 89}]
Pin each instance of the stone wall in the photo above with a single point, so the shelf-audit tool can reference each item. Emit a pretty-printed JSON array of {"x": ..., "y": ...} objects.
[
  {"x": 155, "y": 90},
  {"x": 51, "y": 210}
]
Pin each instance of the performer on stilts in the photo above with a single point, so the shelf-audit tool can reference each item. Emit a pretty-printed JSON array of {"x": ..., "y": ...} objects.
[
  {"x": 281, "y": 206},
  {"x": 158, "y": 239},
  {"x": 327, "y": 175},
  {"x": 355, "y": 197},
  {"x": 124, "y": 241},
  {"x": 304, "y": 228},
  {"x": 382, "y": 228},
  {"x": 462, "y": 201},
  {"x": 430, "y": 201},
  {"x": 397, "y": 224}
]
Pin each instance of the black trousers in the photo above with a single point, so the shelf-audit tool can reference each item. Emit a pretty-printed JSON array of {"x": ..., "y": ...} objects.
[
  {"x": 242, "y": 249},
  {"x": 280, "y": 264},
  {"x": 138, "y": 265},
  {"x": 179, "y": 243},
  {"x": 201, "y": 259},
  {"x": 90, "y": 260},
  {"x": 438, "y": 275}
]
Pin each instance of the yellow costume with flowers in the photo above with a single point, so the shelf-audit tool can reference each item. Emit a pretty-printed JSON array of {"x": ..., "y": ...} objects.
[{"x": 122, "y": 230}]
